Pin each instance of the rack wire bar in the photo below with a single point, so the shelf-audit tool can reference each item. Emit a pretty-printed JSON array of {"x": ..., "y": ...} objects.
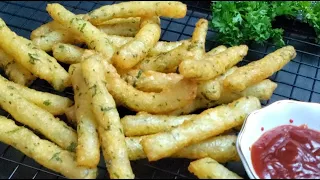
[{"x": 298, "y": 80}]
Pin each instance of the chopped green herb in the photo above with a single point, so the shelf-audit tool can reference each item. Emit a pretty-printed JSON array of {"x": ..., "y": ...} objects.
[
  {"x": 83, "y": 26},
  {"x": 72, "y": 147},
  {"x": 105, "y": 109},
  {"x": 13, "y": 131},
  {"x": 47, "y": 102},
  {"x": 95, "y": 89},
  {"x": 56, "y": 157},
  {"x": 61, "y": 47},
  {"x": 33, "y": 58}
]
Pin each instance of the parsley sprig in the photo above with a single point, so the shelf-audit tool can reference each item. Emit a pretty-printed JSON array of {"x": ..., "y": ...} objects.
[{"x": 241, "y": 22}]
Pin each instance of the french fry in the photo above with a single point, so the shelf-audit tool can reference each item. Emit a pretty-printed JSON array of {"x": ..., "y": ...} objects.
[
  {"x": 47, "y": 41},
  {"x": 110, "y": 129},
  {"x": 198, "y": 40},
  {"x": 15, "y": 72},
  {"x": 70, "y": 113},
  {"x": 36, "y": 118},
  {"x": 128, "y": 27},
  {"x": 151, "y": 81},
  {"x": 67, "y": 53},
  {"x": 208, "y": 168},
  {"x": 213, "y": 66},
  {"x": 166, "y": 62},
  {"x": 42, "y": 151},
  {"x": 43, "y": 29},
  {"x": 262, "y": 90},
  {"x": 215, "y": 51},
  {"x": 163, "y": 47},
  {"x": 88, "y": 149},
  {"x": 122, "y": 21},
  {"x": 256, "y": 71},
  {"x": 52, "y": 103},
  {"x": 49, "y": 27},
  {"x": 145, "y": 124},
  {"x": 160, "y": 47},
  {"x": 134, "y": 51},
  {"x": 222, "y": 148},
  {"x": 209, "y": 123},
  {"x": 167, "y": 100},
  {"x": 212, "y": 89},
  {"x": 172, "y": 9},
  {"x": 35, "y": 60},
  {"x": 92, "y": 36}
]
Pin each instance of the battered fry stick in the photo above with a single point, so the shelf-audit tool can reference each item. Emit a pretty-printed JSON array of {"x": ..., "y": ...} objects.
[
  {"x": 127, "y": 27},
  {"x": 15, "y": 72},
  {"x": 166, "y": 62},
  {"x": 88, "y": 149},
  {"x": 262, "y": 90},
  {"x": 42, "y": 151},
  {"x": 198, "y": 40},
  {"x": 212, "y": 89},
  {"x": 134, "y": 51},
  {"x": 37, "y": 118},
  {"x": 35, "y": 60},
  {"x": 67, "y": 53},
  {"x": 167, "y": 100},
  {"x": 207, "y": 124},
  {"x": 151, "y": 81},
  {"x": 256, "y": 71},
  {"x": 110, "y": 129},
  {"x": 215, "y": 51},
  {"x": 52, "y": 103},
  {"x": 91, "y": 35},
  {"x": 144, "y": 123},
  {"x": 222, "y": 148},
  {"x": 172, "y": 9},
  {"x": 213, "y": 66},
  {"x": 208, "y": 168},
  {"x": 47, "y": 41}
]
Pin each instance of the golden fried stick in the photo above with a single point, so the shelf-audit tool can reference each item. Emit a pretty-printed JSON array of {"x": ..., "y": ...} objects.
[
  {"x": 15, "y": 72},
  {"x": 93, "y": 37},
  {"x": 222, "y": 148},
  {"x": 256, "y": 71},
  {"x": 210, "y": 68},
  {"x": 209, "y": 123},
  {"x": 35, "y": 60},
  {"x": 104, "y": 108},
  {"x": 42, "y": 151},
  {"x": 88, "y": 149},
  {"x": 208, "y": 168},
  {"x": 172, "y": 9}
]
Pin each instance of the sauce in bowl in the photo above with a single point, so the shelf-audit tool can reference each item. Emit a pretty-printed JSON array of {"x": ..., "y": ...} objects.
[{"x": 287, "y": 152}]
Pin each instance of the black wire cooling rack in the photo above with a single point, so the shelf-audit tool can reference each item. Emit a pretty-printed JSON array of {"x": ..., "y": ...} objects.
[{"x": 298, "y": 80}]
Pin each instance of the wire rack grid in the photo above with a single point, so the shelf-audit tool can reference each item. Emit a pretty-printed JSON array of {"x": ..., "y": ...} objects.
[{"x": 298, "y": 80}]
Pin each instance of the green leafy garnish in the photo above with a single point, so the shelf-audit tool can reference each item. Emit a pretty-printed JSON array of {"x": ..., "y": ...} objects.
[{"x": 251, "y": 21}]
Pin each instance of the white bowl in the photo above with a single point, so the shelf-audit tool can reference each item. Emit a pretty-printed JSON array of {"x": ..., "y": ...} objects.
[{"x": 269, "y": 117}]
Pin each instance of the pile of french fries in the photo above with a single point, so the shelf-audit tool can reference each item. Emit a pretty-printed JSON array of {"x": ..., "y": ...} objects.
[{"x": 125, "y": 64}]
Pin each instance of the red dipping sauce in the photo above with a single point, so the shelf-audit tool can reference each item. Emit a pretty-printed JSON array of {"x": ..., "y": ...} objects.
[{"x": 287, "y": 152}]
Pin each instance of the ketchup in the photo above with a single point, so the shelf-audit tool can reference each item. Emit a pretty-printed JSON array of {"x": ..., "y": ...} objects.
[{"x": 287, "y": 152}]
